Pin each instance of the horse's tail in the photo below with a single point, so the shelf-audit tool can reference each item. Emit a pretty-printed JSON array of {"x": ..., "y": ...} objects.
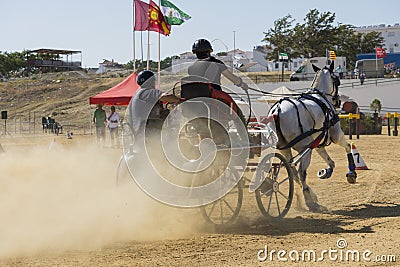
[
  {"x": 275, "y": 108},
  {"x": 273, "y": 116}
]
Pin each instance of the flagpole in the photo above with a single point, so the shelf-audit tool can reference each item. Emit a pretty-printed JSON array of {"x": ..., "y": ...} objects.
[
  {"x": 141, "y": 49},
  {"x": 148, "y": 50},
  {"x": 159, "y": 59},
  {"x": 134, "y": 41},
  {"x": 159, "y": 54},
  {"x": 327, "y": 56},
  {"x": 376, "y": 63}
]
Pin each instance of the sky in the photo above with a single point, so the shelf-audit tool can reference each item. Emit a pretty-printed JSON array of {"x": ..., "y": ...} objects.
[{"x": 103, "y": 29}]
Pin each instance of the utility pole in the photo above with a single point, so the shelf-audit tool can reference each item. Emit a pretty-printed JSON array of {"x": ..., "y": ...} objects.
[
  {"x": 283, "y": 57},
  {"x": 234, "y": 49}
]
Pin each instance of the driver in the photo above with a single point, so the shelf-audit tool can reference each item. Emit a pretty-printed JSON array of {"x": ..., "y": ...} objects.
[
  {"x": 211, "y": 68},
  {"x": 145, "y": 107}
]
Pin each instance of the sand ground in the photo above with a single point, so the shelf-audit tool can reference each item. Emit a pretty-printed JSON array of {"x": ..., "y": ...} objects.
[{"x": 60, "y": 207}]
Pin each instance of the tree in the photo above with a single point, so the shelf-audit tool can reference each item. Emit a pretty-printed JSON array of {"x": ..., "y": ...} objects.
[
  {"x": 129, "y": 64},
  {"x": 370, "y": 41},
  {"x": 279, "y": 39},
  {"x": 350, "y": 44},
  {"x": 141, "y": 65},
  {"x": 3, "y": 70},
  {"x": 317, "y": 34},
  {"x": 167, "y": 62},
  {"x": 11, "y": 63},
  {"x": 376, "y": 105}
]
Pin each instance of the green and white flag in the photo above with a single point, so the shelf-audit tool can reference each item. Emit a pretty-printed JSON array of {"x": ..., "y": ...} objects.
[
  {"x": 283, "y": 56},
  {"x": 172, "y": 14}
]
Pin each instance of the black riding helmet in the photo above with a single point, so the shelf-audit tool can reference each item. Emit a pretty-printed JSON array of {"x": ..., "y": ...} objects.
[
  {"x": 201, "y": 46},
  {"x": 143, "y": 76}
]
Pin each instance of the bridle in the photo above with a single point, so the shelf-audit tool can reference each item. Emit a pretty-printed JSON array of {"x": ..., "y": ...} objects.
[
  {"x": 335, "y": 84},
  {"x": 335, "y": 96}
]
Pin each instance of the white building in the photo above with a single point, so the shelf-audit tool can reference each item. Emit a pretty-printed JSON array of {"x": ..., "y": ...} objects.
[
  {"x": 390, "y": 33},
  {"x": 252, "y": 67},
  {"x": 239, "y": 57},
  {"x": 259, "y": 56},
  {"x": 180, "y": 64},
  {"x": 107, "y": 66},
  {"x": 248, "y": 61}
]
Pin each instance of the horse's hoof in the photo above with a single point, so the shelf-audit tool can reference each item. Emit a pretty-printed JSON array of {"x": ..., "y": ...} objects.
[
  {"x": 316, "y": 208},
  {"x": 351, "y": 177},
  {"x": 325, "y": 173},
  {"x": 322, "y": 174}
]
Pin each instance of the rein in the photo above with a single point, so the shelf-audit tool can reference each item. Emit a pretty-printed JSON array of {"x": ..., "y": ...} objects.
[{"x": 272, "y": 94}]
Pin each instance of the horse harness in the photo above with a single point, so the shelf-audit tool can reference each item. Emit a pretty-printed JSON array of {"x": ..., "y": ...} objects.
[{"x": 331, "y": 118}]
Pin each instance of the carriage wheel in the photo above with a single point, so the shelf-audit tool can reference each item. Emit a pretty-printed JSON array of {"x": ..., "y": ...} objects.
[
  {"x": 225, "y": 210},
  {"x": 122, "y": 176},
  {"x": 274, "y": 196}
]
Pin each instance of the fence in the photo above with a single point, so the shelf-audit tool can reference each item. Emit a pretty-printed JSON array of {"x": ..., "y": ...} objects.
[
  {"x": 395, "y": 117},
  {"x": 350, "y": 118},
  {"x": 271, "y": 77},
  {"x": 376, "y": 81},
  {"x": 18, "y": 123}
]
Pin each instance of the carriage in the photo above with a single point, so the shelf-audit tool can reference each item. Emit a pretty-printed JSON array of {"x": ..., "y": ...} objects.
[{"x": 204, "y": 156}]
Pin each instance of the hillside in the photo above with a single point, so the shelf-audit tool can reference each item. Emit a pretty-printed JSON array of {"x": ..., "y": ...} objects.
[{"x": 64, "y": 96}]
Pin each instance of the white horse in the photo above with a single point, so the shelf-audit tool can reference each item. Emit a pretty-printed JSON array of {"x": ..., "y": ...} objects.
[{"x": 311, "y": 121}]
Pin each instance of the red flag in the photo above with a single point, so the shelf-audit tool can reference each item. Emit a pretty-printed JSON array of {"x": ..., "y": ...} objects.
[
  {"x": 156, "y": 20},
  {"x": 380, "y": 52},
  {"x": 141, "y": 16},
  {"x": 150, "y": 18}
]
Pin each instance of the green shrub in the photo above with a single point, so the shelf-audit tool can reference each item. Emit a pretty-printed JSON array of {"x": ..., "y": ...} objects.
[{"x": 368, "y": 125}]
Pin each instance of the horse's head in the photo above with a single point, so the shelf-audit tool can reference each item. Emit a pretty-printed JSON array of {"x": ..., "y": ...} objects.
[{"x": 326, "y": 82}]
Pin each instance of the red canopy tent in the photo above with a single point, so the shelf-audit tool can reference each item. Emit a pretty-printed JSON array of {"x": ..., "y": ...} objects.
[{"x": 119, "y": 95}]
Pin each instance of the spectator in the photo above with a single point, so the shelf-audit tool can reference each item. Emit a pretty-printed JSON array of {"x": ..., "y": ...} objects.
[
  {"x": 356, "y": 73},
  {"x": 339, "y": 70},
  {"x": 113, "y": 121},
  {"x": 99, "y": 119},
  {"x": 45, "y": 124},
  {"x": 362, "y": 77}
]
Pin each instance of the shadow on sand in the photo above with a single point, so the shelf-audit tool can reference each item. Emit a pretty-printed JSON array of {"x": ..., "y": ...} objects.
[
  {"x": 370, "y": 210},
  {"x": 334, "y": 222}
]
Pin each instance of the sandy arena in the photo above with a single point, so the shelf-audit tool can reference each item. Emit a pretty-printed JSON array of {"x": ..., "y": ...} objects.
[{"x": 60, "y": 207}]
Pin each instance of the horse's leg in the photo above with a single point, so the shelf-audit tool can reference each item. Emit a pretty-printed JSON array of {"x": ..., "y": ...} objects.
[
  {"x": 287, "y": 153},
  {"x": 325, "y": 173},
  {"x": 310, "y": 198},
  {"x": 340, "y": 139},
  {"x": 300, "y": 176}
]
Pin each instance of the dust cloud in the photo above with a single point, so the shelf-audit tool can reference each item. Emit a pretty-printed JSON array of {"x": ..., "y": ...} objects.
[{"x": 66, "y": 198}]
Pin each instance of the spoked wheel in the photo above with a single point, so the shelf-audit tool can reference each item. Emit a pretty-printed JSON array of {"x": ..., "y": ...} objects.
[
  {"x": 275, "y": 195},
  {"x": 225, "y": 210},
  {"x": 123, "y": 175}
]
